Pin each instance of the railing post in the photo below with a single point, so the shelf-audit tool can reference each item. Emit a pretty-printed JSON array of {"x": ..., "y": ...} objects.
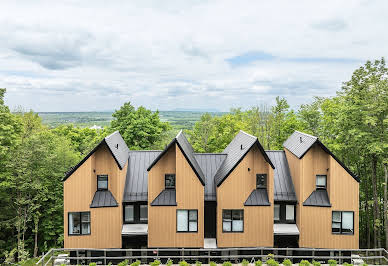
[
  {"x": 381, "y": 256},
  {"x": 77, "y": 255},
  {"x": 208, "y": 259},
  {"x": 104, "y": 257},
  {"x": 340, "y": 255}
]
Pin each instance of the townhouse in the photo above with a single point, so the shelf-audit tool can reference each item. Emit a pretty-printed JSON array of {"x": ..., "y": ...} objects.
[{"x": 301, "y": 196}]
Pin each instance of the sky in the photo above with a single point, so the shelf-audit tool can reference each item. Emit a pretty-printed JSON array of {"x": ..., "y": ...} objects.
[{"x": 69, "y": 56}]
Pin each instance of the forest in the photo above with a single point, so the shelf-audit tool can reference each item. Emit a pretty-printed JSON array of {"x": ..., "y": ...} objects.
[{"x": 34, "y": 157}]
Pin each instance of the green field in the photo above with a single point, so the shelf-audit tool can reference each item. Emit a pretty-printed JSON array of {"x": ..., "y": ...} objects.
[{"x": 178, "y": 119}]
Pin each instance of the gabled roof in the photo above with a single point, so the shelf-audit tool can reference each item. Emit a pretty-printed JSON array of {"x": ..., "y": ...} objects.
[
  {"x": 258, "y": 197},
  {"x": 319, "y": 198},
  {"x": 103, "y": 198},
  {"x": 187, "y": 151},
  {"x": 236, "y": 151},
  {"x": 299, "y": 144},
  {"x": 117, "y": 148},
  {"x": 283, "y": 185}
]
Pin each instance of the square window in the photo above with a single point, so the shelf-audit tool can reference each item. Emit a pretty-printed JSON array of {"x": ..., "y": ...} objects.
[
  {"x": 169, "y": 181},
  {"x": 342, "y": 222},
  {"x": 129, "y": 214},
  {"x": 187, "y": 220},
  {"x": 261, "y": 180},
  {"x": 290, "y": 212},
  {"x": 321, "y": 181},
  {"x": 276, "y": 214},
  {"x": 233, "y": 220},
  {"x": 79, "y": 223},
  {"x": 102, "y": 182}
]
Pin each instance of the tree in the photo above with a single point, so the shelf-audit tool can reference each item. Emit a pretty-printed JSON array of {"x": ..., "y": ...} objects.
[
  {"x": 140, "y": 128},
  {"x": 201, "y": 134}
]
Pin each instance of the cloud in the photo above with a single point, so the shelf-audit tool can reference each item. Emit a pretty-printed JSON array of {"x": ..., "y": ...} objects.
[{"x": 330, "y": 25}]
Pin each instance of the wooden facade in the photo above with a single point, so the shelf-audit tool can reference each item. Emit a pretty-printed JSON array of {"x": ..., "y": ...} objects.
[
  {"x": 162, "y": 227},
  {"x": 234, "y": 191},
  {"x": 79, "y": 189}
]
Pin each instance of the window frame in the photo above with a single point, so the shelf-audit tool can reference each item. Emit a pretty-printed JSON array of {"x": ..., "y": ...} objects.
[
  {"x": 231, "y": 222},
  {"x": 136, "y": 212},
  {"x": 283, "y": 213},
  {"x": 107, "y": 183},
  {"x": 188, "y": 220},
  {"x": 80, "y": 221},
  {"x": 341, "y": 232},
  {"x": 279, "y": 205},
  {"x": 165, "y": 183},
  {"x": 265, "y": 180},
  {"x": 320, "y": 187}
]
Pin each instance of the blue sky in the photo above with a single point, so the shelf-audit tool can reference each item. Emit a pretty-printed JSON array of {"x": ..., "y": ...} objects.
[{"x": 94, "y": 56}]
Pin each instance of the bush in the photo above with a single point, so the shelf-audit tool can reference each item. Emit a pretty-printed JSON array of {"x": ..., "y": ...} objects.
[
  {"x": 287, "y": 262},
  {"x": 92, "y": 264},
  {"x": 245, "y": 262},
  {"x": 332, "y": 262},
  {"x": 270, "y": 256},
  {"x": 169, "y": 262},
  {"x": 304, "y": 263},
  {"x": 110, "y": 264},
  {"x": 155, "y": 263},
  {"x": 212, "y": 263},
  {"x": 227, "y": 263},
  {"x": 136, "y": 263},
  {"x": 316, "y": 263},
  {"x": 272, "y": 262},
  {"x": 347, "y": 264},
  {"x": 258, "y": 262},
  {"x": 123, "y": 263},
  {"x": 183, "y": 263}
]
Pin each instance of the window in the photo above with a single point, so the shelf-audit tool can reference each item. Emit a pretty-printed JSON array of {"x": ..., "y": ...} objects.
[
  {"x": 276, "y": 215},
  {"x": 143, "y": 213},
  {"x": 321, "y": 181},
  {"x": 261, "y": 180},
  {"x": 233, "y": 220},
  {"x": 290, "y": 212},
  {"x": 129, "y": 213},
  {"x": 187, "y": 221},
  {"x": 79, "y": 223},
  {"x": 342, "y": 222},
  {"x": 102, "y": 182},
  {"x": 169, "y": 180}
]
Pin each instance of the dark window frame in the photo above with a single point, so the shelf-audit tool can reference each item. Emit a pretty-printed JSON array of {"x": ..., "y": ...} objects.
[
  {"x": 258, "y": 176},
  {"x": 165, "y": 183},
  {"x": 136, "y": 212},
  {"x": 80, "y": 220},
  {"x": 282, "y": 213},
  {"x": 320, "y": 187},
  {"x": 107, "y": 182},
  {"x": 231, "y": 222},
  {"x": 340, "y": 232},
  {"x": 188, "y": 220}
]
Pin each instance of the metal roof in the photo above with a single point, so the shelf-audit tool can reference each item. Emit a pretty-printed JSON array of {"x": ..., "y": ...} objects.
[
  {"x": 166, "y": 198},
  {"x": 187, "y": 151},
  {"x": 103, "y": 198},
  {"x": 258, "y": 197},
  {"x": 209, "y": 163},
  {"x": 283, "y": 186},
  {"x": 136, "y": 183},
  {"x": 318, "y": 198},
  {"x": 236, "y": 151},
  {"x": 116, "y": 146}
]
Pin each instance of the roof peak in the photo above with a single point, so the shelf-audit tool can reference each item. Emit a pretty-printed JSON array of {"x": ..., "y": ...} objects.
[
  {"x": 308, "y": 135},
  {"x": 242, "y": 131}
]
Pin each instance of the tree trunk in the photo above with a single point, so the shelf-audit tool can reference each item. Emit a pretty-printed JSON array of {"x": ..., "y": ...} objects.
[
  {"x": 386, "y": 206},
  {"x": 36, "y": 221},
  {"x": 376, "y": 211},
  {"x": 367, "y": 212}
]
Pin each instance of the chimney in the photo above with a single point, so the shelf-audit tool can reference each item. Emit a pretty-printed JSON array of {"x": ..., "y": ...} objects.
[
  {"x": 241, "y": 146},
  {"x": 117, "y": 146},
  {"x": 300, "y": 139}
]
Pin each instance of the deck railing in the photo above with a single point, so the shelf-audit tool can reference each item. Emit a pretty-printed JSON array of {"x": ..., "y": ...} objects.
[{"x": 377, "y": 256}]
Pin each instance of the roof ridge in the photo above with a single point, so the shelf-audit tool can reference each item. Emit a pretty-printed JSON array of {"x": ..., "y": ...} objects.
[
  {"x": 248, "y": 134},
  {"x": 144, "y": 150},
  {"x": 308, "y": 135},
  {"x": 274, "y": 150},
  {"x": 209, "y": 153}
]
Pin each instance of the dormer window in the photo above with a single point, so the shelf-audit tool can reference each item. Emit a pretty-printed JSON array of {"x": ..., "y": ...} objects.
[
  {"x": 102, "y": 182},
  {"x": 321, "y": 181},
  {"x": 169, "y": 181},
  {"x": 261, "y": 180}
]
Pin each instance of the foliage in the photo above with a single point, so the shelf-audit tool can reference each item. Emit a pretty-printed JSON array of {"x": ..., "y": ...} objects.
[
  {"x": 212, "y": 263},
  {"x": 272, "y": 262},
  {"x": 347, "y": 264},
  {"x": 316, "y": 263},
  {"x": 124, "y": 263},
  {"x": 136, "y": 263},
  {"x": 332, "y": 262},
  {"x": 92, "y": 264},
  {"x": 244, "y": 262},
  {"x": 227, "y": 263},
  {"x": 155, "y": 263},
  {"x": 183, "y": 263},
  {"x": 198, "y": 263},
  {"x": 169, "y": 262},
  {"x": 287, "y": 262},
  {"x": 258, "y": 262},
  {"x": 304, "y": 263}
]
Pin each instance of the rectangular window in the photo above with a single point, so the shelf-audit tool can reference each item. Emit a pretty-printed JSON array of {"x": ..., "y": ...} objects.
[
  {"x": 233, "y": 220},
  {"x": 143, "y": 213},
  {"x": 261, "y": 180},
  {"x": 342, "y": 222},
  {"x": 290, "y": 212},
  {"x": 129, "y": 214},
  {"x": 276, "y": 215},
  {"x": 79, "y": 223},
  {"x": 321, "y": 181},
  {"x": 102, "y": 182},
  {"x": 169, "y": 181},
  {"x": 187, "y": 221}
]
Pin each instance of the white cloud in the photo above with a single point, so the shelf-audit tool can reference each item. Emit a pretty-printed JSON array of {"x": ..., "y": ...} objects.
[{"x": 91, "y": 55}]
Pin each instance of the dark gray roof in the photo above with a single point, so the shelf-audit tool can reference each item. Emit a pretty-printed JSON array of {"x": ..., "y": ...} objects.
[
  {"x": 236, "y": 151},
  {"x": 209, "y": 163},
  {"x": 116, "y": 146},
  {"x": 284, "y": 188},
  {"x": 103, "y": 198},
  {"x": 318, "y": 198},
  {"x": 258, "y": 197},
  {"x": 299, "y": 143},
  {"x": 166, "y": 198},
  {"x": 187, "y": 151},
  {"x": 136, "y": 183}
]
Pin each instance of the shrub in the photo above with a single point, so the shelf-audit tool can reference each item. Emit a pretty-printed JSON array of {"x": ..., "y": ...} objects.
[
  {"x": 155, "y": 263},
  {"x": 270, "y": 256},
  {"x": 272, "y": 262},
  {"x": 183, "y": 263},
  {"x": 123, "y": 263},
  {"x": 135, "y": 263},
  {"x": 198, "y": 263},
  {"x": 304, "y": 263},
  {"x": 364, "y": 264},
  {"x": 169, "y": 262},
  {"x": 258, "y": 262},
  {"x": 92, "y": 264},
  {"x": 212, "y": 263},
  {"x": 347, "y": 264},
  {"x": 245, "y": 262},
  {"x": 287, "y": 262},
  {"x": 332, "y": 262},
  {"x": 227, "y": 263},
  {"x": 110, "y": 264},
  {"x": 316, "y": 263}
]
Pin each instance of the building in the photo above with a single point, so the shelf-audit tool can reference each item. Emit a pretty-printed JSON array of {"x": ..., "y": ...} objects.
[{"x": 302, "y": 196}]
